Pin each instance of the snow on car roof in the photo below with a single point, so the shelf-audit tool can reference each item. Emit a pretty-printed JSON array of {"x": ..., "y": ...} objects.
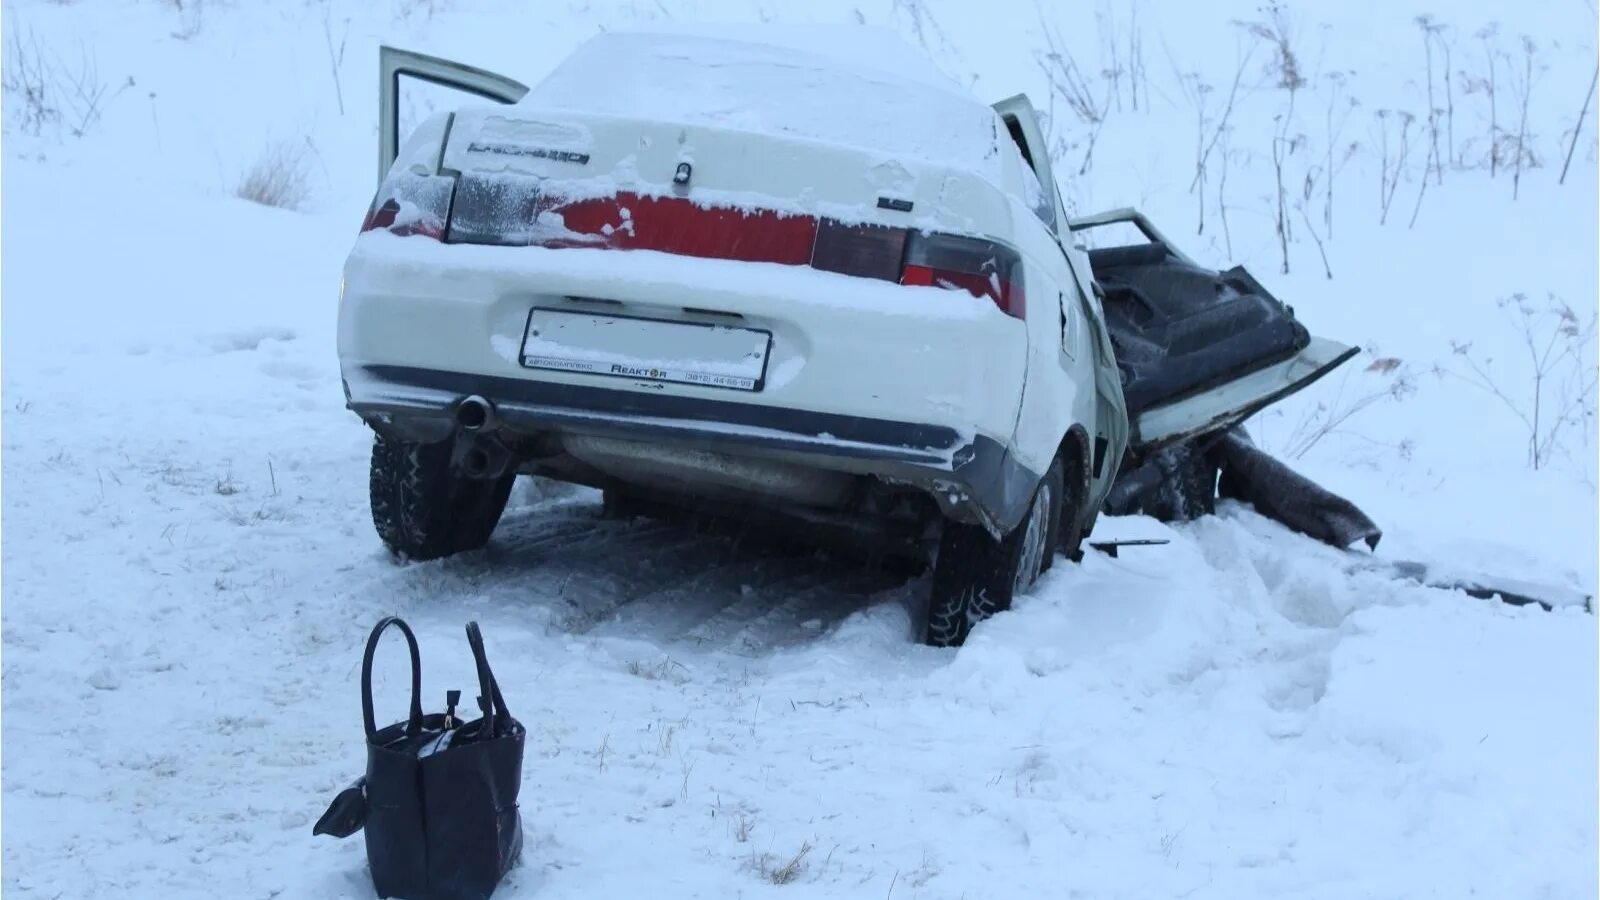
[{"x": 858, "y": 86}]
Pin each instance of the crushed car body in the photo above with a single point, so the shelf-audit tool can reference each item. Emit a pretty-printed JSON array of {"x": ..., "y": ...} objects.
[{"x": 749, "y": 298}]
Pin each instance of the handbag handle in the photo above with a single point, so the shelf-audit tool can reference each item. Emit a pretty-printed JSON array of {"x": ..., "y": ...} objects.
[
  {"x": 414, "y": 723},
  {"x": 493, "y": 704}
]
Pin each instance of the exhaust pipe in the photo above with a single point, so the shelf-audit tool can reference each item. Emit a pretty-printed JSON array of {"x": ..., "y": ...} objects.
[
  {"x": 475, "y": 414},
  {"x": 480, "y": 456},
  {"x": 476, "y": 453}
]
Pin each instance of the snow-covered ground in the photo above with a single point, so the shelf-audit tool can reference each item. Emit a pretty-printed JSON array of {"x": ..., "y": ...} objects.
[{"x": 189, "y": 570}]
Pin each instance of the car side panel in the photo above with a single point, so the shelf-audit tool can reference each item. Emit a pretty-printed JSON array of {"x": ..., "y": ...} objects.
[{"x": 1059, "y": 391}]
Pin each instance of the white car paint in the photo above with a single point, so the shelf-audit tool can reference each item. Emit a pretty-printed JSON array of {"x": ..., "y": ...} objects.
[{"x": 842, "y": 345}]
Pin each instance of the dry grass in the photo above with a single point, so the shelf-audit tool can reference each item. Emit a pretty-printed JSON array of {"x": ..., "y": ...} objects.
[
  {"x": 280, "y": 177},
  {"x": 48, "y": 93},
  {"x": 779, "y": 871},
  {"x": 665, "y": 669}
]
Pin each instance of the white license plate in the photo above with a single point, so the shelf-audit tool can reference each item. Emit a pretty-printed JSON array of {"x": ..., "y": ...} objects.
[{"x": 646, "y": 349}]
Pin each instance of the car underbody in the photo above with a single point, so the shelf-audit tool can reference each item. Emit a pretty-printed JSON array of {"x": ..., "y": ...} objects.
[{"x": 896, "y": 478}]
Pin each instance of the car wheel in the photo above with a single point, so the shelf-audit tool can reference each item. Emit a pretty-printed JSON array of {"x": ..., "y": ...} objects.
[
  {"x": 422, "y": 509},
  {"x": 976, "y": 576}
]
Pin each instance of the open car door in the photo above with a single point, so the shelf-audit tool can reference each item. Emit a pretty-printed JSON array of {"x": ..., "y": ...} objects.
[
  {"x": 1023, "y": 123},
  {"x": 1111, "y": 422},
  {"x": 1199, "y": 350},
  {"x": 409, "y": 80}
]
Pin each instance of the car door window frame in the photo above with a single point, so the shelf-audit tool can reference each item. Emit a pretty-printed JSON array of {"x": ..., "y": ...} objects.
[
  {"x": 1021, "y": 125},
  {"x": 393, "y": 63}
]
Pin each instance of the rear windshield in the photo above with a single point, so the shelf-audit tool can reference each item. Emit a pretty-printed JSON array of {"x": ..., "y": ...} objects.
[{"x": 913, "y": 112}]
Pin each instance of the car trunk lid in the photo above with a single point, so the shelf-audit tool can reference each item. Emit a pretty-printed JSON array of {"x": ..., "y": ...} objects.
[
  {"x": 542, "y": 176},
  {"x": 530, "y": 176}
]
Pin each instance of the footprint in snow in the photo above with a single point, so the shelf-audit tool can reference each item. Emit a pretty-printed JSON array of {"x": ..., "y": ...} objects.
[
  {"x": 306, "y": 375},
  {"x": 248, "y": 338}
]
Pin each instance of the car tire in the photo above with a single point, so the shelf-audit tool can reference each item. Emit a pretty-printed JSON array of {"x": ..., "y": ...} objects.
[
  {"x": 976, "y": 576},
  {"x": 423, "y": 510}
]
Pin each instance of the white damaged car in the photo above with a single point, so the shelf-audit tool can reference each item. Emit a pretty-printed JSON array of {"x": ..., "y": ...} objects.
[{"x": 729, "y": 274}]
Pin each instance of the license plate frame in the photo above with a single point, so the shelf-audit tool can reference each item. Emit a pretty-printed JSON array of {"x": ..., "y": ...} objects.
[{"x": 542, "y": 349}]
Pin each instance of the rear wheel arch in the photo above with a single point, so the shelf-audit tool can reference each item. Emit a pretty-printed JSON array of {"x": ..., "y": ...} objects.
[
  {"x": 1076, "y": 461},
  {"x": 1077, "y": 475}
]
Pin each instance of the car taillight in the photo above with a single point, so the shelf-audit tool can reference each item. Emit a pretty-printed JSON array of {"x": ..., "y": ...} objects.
[
  {"x": 982, "y": 268},
  {"x": 979, "y": 267},
  {"x": 865, "y": 251},
  {"x": 410, "y": 203}
]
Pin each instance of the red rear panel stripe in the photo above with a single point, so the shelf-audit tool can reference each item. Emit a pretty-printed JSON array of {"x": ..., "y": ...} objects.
[{"x": 680, "y": 226}]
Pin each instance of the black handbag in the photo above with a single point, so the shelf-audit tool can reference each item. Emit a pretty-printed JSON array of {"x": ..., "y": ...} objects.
[{"x": 439, "y": 800}]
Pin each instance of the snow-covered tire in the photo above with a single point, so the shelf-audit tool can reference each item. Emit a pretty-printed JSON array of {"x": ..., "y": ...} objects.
[
  {"x": 976, "y": 576},
  {"x": 423, "y": 510}
]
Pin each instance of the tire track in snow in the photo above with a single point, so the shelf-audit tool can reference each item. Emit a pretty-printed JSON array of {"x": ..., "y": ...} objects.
[
  {"x": 674, "y": 582},
  {"x": 719, "y": 616},
  {"x": 575, "y": 567},
  {"x": 778, "y": 613},
  {"x": 609, "y": 566},
  {"x": 662, "y": 613}
]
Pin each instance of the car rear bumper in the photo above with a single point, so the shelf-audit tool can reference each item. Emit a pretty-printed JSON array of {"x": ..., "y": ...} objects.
[
  {"x": 855, "y": 347},
  {"x": 972, "y": 477}
]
